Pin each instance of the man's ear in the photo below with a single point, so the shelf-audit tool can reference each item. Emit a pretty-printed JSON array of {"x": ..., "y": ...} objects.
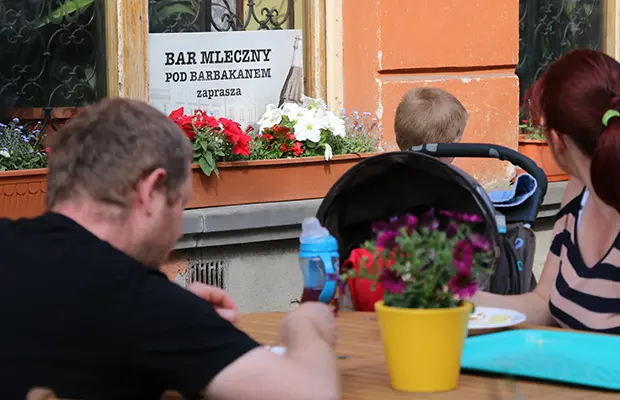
[{"x": 149, "y": 188}]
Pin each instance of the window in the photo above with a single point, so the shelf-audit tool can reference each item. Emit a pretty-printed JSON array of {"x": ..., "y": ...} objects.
[
  {"x": 59, "y": 55},
  {"x": 550, "y": 28},
  {"x": 223, "y": 15},
  {"x": 52, "y": 52}
]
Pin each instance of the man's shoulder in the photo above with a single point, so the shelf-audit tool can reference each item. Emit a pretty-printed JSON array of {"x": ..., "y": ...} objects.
[{"x": 57, "y": 248}]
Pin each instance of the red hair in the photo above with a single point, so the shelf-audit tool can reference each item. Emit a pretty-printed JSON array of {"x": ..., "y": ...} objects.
[{"x": 571, "y": 98}]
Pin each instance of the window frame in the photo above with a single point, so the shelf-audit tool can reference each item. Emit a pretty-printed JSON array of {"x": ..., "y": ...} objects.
[
  {"x": 611, "y": 34},
  {"x": 127, "y": 30}
]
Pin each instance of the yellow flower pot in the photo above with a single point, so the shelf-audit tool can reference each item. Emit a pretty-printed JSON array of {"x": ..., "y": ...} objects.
[{"x": 423, "y": 346}]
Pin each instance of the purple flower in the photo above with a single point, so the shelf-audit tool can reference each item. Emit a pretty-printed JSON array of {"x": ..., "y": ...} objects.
[
  {"x": 463, "y": 257},
  {"x": 451, "y": 230},
  {"x": 396, "y": 223},
  {"x": 445, "y": 213},
  {"x": 472, "y": 218},
  {"x": 380, "y": 226},
  {"x": 463, "y": 287},
  {"x": 391, "y": 282},
  {"x": 480, "y": 243},
  {"x": 410, "y": 222},
  {"x": 462, "y": 217},
  {"x": 387, "y": 239},
  {"x": 429, "y": 220}
]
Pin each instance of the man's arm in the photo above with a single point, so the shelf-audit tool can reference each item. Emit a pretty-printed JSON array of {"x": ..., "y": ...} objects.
[
  {"x": 308, "y": 371},
  {"x": 178, "y": 342}
]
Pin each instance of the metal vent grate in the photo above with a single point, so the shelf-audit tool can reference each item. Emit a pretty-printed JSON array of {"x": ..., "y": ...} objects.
[{"x": 208, "y": 272}]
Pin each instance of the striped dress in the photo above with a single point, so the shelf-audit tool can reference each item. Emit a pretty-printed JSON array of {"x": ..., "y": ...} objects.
[{"x": 583, "y": 297}]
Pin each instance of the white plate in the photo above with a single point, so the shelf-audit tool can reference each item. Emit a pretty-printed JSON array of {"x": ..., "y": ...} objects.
[{"x": 493, "y": 318}]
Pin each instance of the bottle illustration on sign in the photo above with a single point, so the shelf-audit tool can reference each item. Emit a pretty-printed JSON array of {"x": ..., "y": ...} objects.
[{"x": 293, "y": 87}]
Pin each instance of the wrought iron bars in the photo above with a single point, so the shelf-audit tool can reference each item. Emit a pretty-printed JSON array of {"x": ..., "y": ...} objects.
[
  {"x": 52, "y": 53},
  {"x": 218, "y": 15},
  {"x": 550, "y": 28}
]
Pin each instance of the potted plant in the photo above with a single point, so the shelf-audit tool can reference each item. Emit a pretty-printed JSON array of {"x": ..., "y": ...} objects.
[
  {"x": 428, "y": 269},
  {"x": 232, "y": 166},
  {"x": 296, "y": 152},
  {"x": 532, "y": 144},
  {"x": 23, "y": 185}
]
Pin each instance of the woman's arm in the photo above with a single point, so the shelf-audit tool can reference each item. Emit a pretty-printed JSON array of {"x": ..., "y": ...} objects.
[{"x": 535, "y": 305}]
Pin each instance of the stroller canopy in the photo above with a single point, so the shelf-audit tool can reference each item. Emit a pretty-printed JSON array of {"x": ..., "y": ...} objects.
[{"x": 396, "y": 183}]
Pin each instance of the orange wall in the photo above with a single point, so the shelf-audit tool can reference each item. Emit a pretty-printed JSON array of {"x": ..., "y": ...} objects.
[{"x": 467, "y": 47}]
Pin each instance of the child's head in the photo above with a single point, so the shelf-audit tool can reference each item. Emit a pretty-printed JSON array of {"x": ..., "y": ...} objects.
[{"x": 429, "y": 115}]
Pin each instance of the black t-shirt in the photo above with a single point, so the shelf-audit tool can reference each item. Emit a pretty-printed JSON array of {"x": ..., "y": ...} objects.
[{"x": 89, "y": 322}]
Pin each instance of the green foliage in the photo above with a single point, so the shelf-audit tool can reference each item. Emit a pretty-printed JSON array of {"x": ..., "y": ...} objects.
[{"x": 21, "y": 147}]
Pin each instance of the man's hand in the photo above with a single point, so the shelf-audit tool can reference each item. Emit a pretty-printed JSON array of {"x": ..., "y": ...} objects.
[
  {"x": 314, "y": 315},
  {"x": 219, "y": 299}
]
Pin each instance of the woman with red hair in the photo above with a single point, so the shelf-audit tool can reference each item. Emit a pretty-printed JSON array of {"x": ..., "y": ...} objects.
[{"x": 577, "y": 103}]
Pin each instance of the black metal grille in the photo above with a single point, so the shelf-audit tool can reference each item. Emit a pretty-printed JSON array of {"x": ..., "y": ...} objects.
[
  {"x": 212, "y": 272},
  {"x": 52, "y": 52},
  {"x": 550, "y": 28},
  {"x": 218, "y": 15}
]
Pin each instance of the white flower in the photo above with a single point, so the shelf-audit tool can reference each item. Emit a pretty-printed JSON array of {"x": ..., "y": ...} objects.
[
  {"x": 292, "y": 111},
  {"x": 271, "y": 117},
  {"x": 309, "y": 102},
  {"x": 308, "y": 128},
  {"x": 328, "y": 152},
  {"x": 5, "y": 153},
  {"x": 333, "y": 123}
]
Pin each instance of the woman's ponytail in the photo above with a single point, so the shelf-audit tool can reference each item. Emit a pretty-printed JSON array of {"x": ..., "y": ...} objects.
[{"x": 605, "y": 167}]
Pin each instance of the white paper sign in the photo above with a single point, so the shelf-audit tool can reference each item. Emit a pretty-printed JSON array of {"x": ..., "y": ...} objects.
[{"x": 228, "y": 74}]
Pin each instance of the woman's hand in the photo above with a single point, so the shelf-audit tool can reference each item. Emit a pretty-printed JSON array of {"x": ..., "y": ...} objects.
[{"x": 219, "y": 299}]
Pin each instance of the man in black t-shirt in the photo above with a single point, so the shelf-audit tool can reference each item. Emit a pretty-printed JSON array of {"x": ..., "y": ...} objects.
[{"x": 85, "y": 311}]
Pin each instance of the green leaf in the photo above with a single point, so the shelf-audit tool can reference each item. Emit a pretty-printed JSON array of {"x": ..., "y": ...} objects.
[
  {"x": 210, "y": 160},
  {"x": 174, "y": 9},
  {"x": 68, "y": 7},
  {"x": 205, "y": 167}
]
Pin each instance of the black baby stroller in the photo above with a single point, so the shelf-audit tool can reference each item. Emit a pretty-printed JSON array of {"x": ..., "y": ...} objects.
[{"x": 399, "y": 182}]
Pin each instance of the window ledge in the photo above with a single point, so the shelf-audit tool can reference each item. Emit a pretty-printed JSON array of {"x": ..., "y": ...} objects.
[
  {"x": 251, "y": 223},
  {"x": 220, "y": 226}
]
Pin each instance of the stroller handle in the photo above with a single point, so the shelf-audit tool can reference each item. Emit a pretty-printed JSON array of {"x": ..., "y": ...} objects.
[{"x": 480, "y": 150}]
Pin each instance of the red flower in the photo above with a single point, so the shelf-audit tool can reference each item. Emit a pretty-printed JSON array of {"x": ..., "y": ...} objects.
[
  {"x": 242, "y": 147},
  {"x": 234, "y": 134},
  {"x": 283, "y": 147},
  {"x": 184, "y": 121},
  {"x": 202, "y": 120},
  {"x": 268, "y": 136},
  {"x": 187, "y": 125},
  {"x": 231, "y": 127},
  {"x": 176, "y": 114},
  {"x": 281, "y": 129},
  {"x": 290, "y": 136},
  {"x": 241, "y": 143},
  {"x": 297, "y": 149}
]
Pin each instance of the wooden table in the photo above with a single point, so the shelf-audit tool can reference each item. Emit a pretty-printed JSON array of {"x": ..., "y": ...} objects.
[{"x": 365, "y": 376}]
